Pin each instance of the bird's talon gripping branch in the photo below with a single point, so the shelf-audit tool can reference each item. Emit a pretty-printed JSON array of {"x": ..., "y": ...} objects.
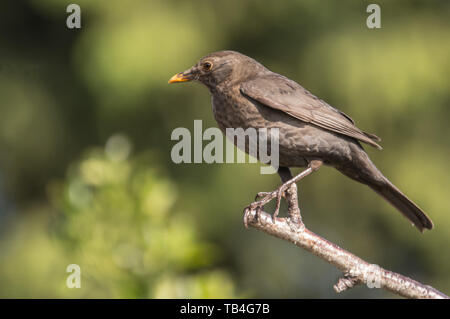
[
  {"x": 288, "y": 190},
  {"x": 257, "y": 207},
  {"x": 266, "y": 197}
]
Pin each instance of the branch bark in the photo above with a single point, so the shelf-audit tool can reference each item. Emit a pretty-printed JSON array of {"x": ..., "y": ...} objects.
[{"x": 355, "y": 269}]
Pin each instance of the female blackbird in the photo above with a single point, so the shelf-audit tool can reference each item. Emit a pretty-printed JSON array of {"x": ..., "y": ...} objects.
[{"x": 245, "y": 94}]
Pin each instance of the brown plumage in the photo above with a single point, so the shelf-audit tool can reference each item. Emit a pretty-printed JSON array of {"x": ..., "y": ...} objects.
[{"x": 246, "y": 94}]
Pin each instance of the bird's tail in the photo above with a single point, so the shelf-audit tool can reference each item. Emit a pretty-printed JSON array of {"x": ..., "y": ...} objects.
[{"x": 399, "y": 200}]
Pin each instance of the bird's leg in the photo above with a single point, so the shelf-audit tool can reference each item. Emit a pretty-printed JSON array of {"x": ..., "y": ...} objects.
[{"x": 288, "y": 188}]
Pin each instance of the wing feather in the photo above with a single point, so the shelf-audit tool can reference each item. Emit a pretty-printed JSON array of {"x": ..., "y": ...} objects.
[{"x": 278, "y": 92}]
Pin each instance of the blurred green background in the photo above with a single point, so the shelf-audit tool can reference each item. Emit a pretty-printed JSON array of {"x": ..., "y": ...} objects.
[{"x": 85, "y": 170}]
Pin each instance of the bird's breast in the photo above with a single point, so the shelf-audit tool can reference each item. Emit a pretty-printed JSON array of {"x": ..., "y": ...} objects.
[
  {"x": 231, "y": 110},
  {"x": 298, "y": 141}
]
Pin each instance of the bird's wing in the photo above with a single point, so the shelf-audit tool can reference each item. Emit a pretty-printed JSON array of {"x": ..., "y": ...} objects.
[{"x": 281, "y": 93}]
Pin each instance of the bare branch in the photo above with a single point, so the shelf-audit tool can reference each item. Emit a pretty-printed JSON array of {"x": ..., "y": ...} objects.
[{"x": 354, "y": 268}]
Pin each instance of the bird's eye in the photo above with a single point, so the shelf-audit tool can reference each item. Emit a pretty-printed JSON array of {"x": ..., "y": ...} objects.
[{"x": 207, "y": 66}]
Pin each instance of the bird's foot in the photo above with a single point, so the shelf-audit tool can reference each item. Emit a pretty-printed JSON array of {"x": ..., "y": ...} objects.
[
  {"x": 258, "y": 205},
  {"x": 287, "y": 189}
]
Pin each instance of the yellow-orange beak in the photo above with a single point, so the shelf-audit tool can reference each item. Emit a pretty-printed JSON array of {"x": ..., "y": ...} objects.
[{"x": 179, "y": 77}]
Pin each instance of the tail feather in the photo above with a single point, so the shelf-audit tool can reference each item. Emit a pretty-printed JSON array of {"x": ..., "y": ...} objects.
[
  {"x": 400, "y": 201},
  {"x": 372, "y": 137}
]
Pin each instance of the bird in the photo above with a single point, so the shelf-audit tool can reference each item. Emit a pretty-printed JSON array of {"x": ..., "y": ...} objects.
[{"x": 246, "y": 94}]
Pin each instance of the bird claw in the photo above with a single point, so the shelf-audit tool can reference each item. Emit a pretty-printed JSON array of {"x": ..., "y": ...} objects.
[{"x": 258, "y": 205}]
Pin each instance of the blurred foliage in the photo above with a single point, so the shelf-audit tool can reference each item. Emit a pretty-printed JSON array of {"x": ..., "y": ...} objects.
[
  {"x": 141, "y": 226},
  {"x": 113, "y": 217}
]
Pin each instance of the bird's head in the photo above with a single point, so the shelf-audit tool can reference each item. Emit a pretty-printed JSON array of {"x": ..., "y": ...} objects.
[{"x": 219, "y": 68}]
